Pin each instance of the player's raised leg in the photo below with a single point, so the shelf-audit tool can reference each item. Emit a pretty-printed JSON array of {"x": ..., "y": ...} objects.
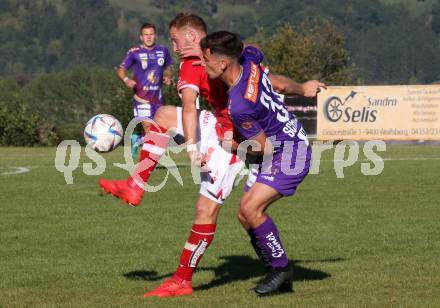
[{"x": 155, "y": 142}]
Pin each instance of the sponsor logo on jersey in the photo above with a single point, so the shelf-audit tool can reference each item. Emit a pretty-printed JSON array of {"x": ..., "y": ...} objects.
[
  {"x": 246, "y": 125},
  {"x": 151, "y": 77},
  {"x": 150, "y": 88},
  {"x": 144, "y": 60},
  {"x": 252, "y": 87}
]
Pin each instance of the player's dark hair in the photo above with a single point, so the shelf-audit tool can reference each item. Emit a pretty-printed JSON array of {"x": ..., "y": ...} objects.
[
  {"x": 188, "y": 19},
  {"x": 224, "y": 43},
  {"x": 147, "y": 25}
]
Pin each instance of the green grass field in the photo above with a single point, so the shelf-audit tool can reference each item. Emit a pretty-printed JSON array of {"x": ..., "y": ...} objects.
[{"x": 370, "y": 241}]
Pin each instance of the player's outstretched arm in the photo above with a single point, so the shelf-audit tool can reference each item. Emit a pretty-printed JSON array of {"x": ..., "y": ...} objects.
[{"x": 285, "y": 85}]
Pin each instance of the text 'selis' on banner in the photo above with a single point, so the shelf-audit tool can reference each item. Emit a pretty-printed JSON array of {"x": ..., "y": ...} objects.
[{"x": 379, "y": 112}]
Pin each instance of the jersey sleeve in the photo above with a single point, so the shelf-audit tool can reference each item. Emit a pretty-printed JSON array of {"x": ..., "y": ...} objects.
[
  {"x": 252, "y": 54},
  {"x": 190, "y": 76},
  {"x": 128, "y": 60}
]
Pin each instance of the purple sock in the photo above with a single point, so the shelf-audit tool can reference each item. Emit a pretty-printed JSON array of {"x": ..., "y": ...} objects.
[
  {"x": 270, "y": 242},
  {"x": 260, "y": 252}
]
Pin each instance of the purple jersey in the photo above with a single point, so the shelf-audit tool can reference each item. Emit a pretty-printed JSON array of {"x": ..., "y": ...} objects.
[
  {"x": 148, "y": 66},
  {"x": 255, "y": 107}
]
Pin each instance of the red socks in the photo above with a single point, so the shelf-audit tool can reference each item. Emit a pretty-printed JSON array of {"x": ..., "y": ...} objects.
[
  {"x": 199, "y": 239},
  {"x": 155, "y": 143}
]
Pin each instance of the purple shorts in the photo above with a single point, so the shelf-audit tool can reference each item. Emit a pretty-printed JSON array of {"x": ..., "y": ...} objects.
[
  {"x": 143, "y": 110},
  {"x": 285, "y": 171}
]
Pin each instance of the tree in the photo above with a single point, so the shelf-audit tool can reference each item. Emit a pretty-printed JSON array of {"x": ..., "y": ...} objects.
[
  {"x": 20, "y": 127},
  {"x": 436, "y": 18},
  {"x": 315, "y": 52}
]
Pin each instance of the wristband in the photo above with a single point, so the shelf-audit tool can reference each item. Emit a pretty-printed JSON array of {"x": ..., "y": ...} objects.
[
  {"x": 191, "y": 147},
  {"x": 125, "y": 79}
]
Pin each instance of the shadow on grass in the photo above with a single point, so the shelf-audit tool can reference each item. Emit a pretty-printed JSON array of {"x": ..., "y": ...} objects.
[{"x": 238, "y": 268}]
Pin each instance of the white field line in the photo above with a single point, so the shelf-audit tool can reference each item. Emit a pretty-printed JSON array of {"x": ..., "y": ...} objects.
[{"x": 18, "y": 170}]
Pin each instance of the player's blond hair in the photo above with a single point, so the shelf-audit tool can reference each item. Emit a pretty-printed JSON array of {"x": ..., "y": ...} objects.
[{"x": 188, "y": 19}]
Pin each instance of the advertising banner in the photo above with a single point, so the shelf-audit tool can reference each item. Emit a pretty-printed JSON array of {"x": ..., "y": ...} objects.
[{"x": 379, "y": 112}]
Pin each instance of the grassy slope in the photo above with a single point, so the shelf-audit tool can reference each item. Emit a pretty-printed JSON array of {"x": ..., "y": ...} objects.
[{"x": 355, "y": 241}]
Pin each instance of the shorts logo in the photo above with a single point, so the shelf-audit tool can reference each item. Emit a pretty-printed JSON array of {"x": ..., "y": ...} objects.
[
  {"x": 206, "y": 118},
  {"x": 252, "y": 87}
]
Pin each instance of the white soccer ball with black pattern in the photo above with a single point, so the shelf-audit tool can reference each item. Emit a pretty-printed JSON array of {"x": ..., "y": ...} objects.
[{"x": 103, "y": 133}]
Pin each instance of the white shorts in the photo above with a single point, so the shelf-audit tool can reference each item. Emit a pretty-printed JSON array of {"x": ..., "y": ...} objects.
[{"x": 223, "y": 166}]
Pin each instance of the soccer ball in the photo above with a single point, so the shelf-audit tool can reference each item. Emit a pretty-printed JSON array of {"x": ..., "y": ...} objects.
[{"x": 103, "y": 133}]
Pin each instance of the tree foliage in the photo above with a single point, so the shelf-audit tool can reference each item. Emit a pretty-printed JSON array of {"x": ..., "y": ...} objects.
[
  {"x": 308, "y": 52},
  {"x": 66, "y": 100},
  {"x": 20, "y": 127},
  {"x": 37, "y": 36},
  {"x": 57, "y": 57},
  {"x": 386, "y": 44}
]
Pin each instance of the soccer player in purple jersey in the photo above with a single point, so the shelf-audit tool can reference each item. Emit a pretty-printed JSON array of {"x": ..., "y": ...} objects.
[
  {"x": 151, "y": 67},
  {"x": 259, "y": 114}
]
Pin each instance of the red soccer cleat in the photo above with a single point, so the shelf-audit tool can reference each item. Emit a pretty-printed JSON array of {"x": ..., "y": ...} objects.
[
  {"x": 109, "y": 186},
  {"x": 172, "y": 287},
  {"x": 121, "y": 190}
]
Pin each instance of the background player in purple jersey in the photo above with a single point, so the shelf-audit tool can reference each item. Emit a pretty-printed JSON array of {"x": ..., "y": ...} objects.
[
  {"x": 259, "y": 114},
  {"x": 150, "y": 64}
]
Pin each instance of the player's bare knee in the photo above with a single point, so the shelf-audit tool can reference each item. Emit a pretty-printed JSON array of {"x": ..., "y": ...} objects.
[
  {"x": 246, "y": 212},
  {"x": 241, "y": 218},
  {"x": 206, "y": 212},
  {"x": 165, "y": 117}
]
